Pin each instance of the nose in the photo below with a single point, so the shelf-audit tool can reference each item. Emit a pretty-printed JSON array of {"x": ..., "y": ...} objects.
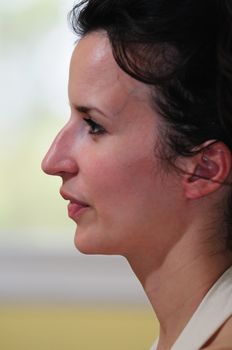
[{"x": 59, "y": 160}]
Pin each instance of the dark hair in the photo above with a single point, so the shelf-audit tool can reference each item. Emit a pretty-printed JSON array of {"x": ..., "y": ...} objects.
[{"x": 182, "y": 48}]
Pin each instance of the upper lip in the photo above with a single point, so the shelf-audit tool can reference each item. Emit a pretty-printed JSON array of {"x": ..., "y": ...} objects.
[{"x": 72, "y": 199}]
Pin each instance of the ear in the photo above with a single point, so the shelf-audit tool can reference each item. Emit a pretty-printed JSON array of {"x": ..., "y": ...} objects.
[{"x": 206, "y": 171}]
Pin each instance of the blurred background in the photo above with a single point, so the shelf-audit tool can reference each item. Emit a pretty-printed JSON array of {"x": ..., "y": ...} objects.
[{"x": 51, "y": 296}]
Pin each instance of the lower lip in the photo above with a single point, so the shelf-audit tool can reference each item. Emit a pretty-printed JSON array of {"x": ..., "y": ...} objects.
[{"x": 76, "y": 210}]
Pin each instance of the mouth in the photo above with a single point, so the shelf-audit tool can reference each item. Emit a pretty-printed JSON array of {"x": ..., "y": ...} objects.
[
  {"x": 75, "y": 210},
  {"x": 75, "y": 207}
]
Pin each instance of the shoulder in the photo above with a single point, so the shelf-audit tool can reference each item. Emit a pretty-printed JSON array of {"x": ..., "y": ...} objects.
[
  {"x": 223, "y": 346},
  {"x": 222, "y": 340},
  {"x": 224, "y": 343}
]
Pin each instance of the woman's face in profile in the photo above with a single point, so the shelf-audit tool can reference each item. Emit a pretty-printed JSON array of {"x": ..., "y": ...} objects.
[{"x": 105, "y": 154}]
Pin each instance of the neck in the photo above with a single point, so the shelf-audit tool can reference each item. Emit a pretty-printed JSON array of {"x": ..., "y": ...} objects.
[{"x": 177, "y": 285}]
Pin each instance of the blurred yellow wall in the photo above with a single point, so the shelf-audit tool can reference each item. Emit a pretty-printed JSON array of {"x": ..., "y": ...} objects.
[{"x": 76, "y": 328}]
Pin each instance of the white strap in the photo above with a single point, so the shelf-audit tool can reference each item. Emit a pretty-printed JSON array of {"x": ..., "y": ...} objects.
[{"x": 214, "y": 310}]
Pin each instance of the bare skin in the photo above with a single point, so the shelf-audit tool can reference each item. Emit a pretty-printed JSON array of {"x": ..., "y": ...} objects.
[
  {"x": 222, "y": 339},
  {"x": 174, "y": 282},
  {"x": 159, "y": 220}
]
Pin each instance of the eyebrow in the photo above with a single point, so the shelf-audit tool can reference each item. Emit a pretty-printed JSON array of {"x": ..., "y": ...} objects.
[{"x": 86, "y": 110}]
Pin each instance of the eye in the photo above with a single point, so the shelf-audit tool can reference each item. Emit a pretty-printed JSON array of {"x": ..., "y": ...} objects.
[{"x": 95, "y": 128}]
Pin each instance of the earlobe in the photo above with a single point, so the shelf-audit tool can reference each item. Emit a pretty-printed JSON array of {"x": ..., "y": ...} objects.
[{"x": 207, "y": 170}]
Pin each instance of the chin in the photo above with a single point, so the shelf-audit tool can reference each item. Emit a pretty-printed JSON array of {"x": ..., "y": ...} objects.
[
  {"x": 85, "y": 248},
  {"x": 86, "y": 244}
]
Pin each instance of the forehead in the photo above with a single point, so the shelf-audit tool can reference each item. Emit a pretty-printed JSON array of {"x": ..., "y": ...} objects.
[
  {"x": 92, "y": 55},
  {"x": 93, "y": 70}
]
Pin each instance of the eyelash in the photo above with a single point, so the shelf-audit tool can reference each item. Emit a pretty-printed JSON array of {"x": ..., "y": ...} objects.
[{"x": 93, "y": 126}]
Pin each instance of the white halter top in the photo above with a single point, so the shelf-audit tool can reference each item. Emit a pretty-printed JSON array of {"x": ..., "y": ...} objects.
[{"x": 214, "y": 310}]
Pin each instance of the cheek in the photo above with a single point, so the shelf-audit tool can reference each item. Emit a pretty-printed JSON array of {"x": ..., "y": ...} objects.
[
  {"x": 107, "y": 175},
  {"x": 113, "y": 180}
]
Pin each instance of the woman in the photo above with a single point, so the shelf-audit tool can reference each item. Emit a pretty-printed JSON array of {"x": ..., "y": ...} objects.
[{"x": 145, "y": 157}]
